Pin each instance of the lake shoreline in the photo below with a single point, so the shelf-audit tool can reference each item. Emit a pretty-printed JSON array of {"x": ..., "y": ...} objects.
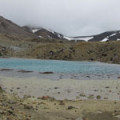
[
  {"x": 71, "y": 89},
  {"x": 57, "y": 76},
  {"x": 31, "y": 58}
]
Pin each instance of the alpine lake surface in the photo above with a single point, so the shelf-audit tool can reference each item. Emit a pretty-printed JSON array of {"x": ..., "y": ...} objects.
[{"x": 64, "y": 69}]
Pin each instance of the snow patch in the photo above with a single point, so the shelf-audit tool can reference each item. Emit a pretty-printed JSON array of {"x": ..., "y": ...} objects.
[
  {"x": 113, "y": 34},
  {"x": 34, "y": 30},
  {"x": 68, "y": 38},
  {"x": 78, "y": 38},
  {"x": 105, "y": 39},
  {"x": 40, "y": 36},
  {"x": 84, "y": 38},
  {"x": 59, "y": 35}
]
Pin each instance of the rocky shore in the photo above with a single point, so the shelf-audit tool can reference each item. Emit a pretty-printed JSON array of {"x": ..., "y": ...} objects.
[{"x": 46, "y": 108}]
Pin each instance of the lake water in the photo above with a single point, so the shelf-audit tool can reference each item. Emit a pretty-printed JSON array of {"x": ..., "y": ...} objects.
[{"x": 58, "y": 66}]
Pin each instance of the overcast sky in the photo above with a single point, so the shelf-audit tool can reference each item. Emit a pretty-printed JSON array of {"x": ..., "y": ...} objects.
[{"x": 70, "y": 17}]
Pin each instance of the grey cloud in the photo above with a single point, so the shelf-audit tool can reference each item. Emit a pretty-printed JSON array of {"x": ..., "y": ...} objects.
[{"x": 70, "y": 17}]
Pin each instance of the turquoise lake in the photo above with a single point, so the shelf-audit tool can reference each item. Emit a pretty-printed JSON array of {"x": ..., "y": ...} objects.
[{"x": 58, "y": 66}]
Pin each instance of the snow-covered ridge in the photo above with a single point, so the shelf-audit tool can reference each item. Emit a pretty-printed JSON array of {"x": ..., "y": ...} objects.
[
  {"x": 82, "y": 38},
  {"x": 103, "y": 37}
]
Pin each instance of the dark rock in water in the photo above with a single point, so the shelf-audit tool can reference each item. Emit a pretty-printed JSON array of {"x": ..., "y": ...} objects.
[
  {"x": 119, "y": 77},
  {"x": 46, "y": 72},
  {"x": 6, "y": 69},
  {"x": 24, "y": 71},
  {"x": 88, "y": 76}
]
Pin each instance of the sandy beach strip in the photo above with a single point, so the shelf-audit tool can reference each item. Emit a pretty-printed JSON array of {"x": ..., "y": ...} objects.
[{"x": 62, "y": 89}]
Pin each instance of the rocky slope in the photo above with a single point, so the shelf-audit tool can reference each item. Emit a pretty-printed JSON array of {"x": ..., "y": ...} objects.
[{"x": 81, "y": 51}]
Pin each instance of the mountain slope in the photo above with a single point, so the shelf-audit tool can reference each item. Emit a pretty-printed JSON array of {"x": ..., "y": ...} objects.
[
  {"x": 13, "y": 31},
  {"x": 9, "y": 28},
  {"x": 105, "y": 36}
]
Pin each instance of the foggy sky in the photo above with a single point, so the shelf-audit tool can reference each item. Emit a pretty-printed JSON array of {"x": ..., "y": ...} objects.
[{"x": 69, "y": 17}]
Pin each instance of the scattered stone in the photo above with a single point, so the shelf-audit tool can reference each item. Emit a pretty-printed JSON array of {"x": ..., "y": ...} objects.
[
  {"x": 28, "y": 107},
  {"x": 45, "y": 97},
  {"x": 77, "y": 97},
  {"x": 79, "y": 118},
  {"x": 10, "y": 111},
  {"x": 110, "y": 91},
  {"x": 96, "y": 90},
  {"x": 27, "y": 96},
  {"x": 38, "y": 97},
  {"x": 70, "y": 107},
  {"x": 42, "y": 103},
  {"x": 91, "y": 97},
  {"x": 105, "y": 98},
  {"x": 11, "y": 90},
  {"x": 82, "y": 95},
  {"x": 1, "y": 90},
  {"x": 117, "y": 116},
  {"x": 61, "y": 103},
  {"x": 18, "y": 88},
  {"x": 115, "y": 102},
  {"x": 107, "y": 87},
  {"x": 11, "y": 102},
  {"x": 98, "y": 97},
  {"x": 1, "y": 112},
  {"x": 56, "y": 87}
]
